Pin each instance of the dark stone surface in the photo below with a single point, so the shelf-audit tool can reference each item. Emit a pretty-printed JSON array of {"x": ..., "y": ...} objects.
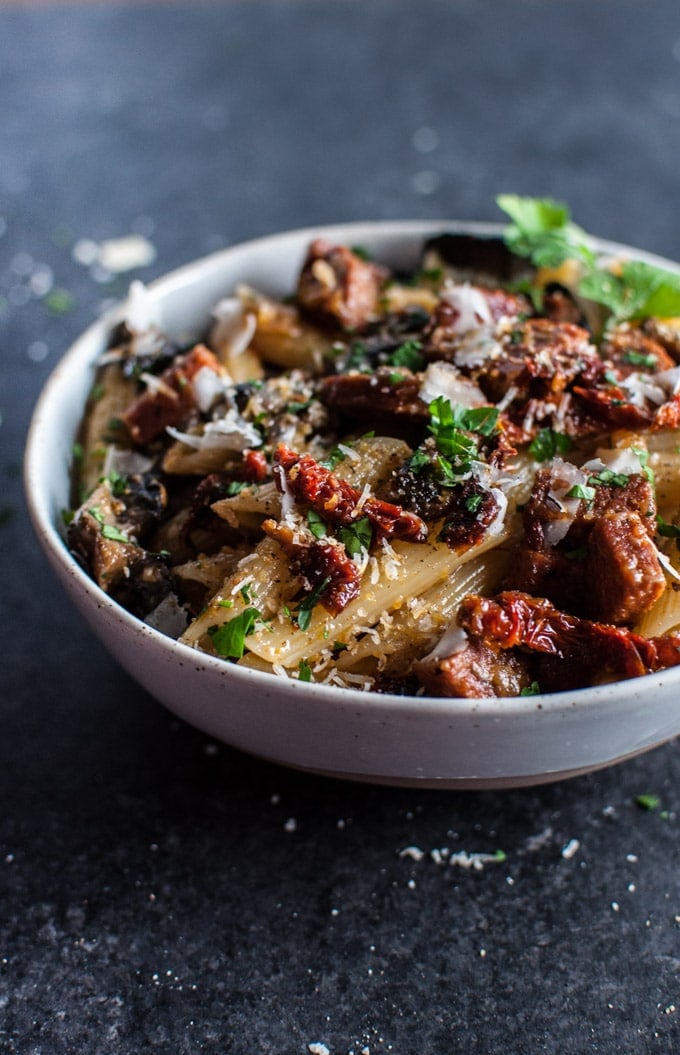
[{"x": 154, "y": 896}]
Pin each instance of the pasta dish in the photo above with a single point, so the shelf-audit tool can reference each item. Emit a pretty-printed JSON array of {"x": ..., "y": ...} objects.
[{"x": 461, "y": 481}]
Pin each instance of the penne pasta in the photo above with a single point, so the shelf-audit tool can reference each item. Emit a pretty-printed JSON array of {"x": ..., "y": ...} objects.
[{"x": 436, "y": 483}]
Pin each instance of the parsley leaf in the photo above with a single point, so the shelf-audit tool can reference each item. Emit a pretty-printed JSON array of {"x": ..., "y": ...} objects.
[
  {"x": 665, "y": 529},
  {"x": 473, "y": 502},
  {"x": 639, "y": 291},
  {"x": 408, "y": 355},
  {"x": 304, "y": 613},
  {"x": 333, "y": 459},
  {"x": 531, "y": 690},
  {"x": 356, "y": 537},
  {"x": 451, "y": 425},
  {"x": 542, "y": 230},
  {"x": 643, "y": 457},
  {"x": 582, "y": 491},
  {"x": 316, "y": 523},
  {"x": 304, "y": 671},
  {"x": 608, "y": 478},
  {"x": 547, "y": 443},
  {"x": 113, "y": 533},
  {"x": 639, "y": 359},
  {"x": 229, "y": 638},
  {"x": 648, "y": 802}
]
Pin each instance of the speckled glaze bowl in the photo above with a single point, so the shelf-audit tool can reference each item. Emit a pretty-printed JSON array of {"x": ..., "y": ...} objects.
[{"x": 444, "y": 743}]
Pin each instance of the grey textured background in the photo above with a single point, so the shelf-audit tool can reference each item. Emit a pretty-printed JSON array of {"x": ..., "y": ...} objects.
[{"x": 153, "y": 896}]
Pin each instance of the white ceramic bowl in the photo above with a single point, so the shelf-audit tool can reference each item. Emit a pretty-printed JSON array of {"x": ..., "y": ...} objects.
[{"x": 347, "y": 733}]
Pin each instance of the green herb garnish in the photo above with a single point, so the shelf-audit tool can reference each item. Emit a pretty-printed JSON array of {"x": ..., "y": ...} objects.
[
  {"x": 608, "y": 478},
  {"x": 229, "y": 638},
  {"x": 547, "y": 444},
  {"x": 643, "y": 457},
  {"x": 304, "y": 612},
  {"x": 665, "y": 529},
  {"x": 639, "y": 359},
  {"x": 449, "y": 425},
  {"x": 304, "y": 671},
  {"x": 409, "y": 355},
  {"x": 531, "y": 690},
  {"x": 316, "y": 523},
  {"x": 583, "y": 491},
  {"x": 356, "y": 537},
  {"x": 543, "y": 231},
  {"x": 333, "y": 458},
  {"x": 113, "y": 533},
  {"x": 648, "y": 802}
]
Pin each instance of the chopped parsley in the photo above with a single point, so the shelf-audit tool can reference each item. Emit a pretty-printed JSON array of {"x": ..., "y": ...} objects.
[
  {"x": 639, "y": 359},
  {"x": 357, "y": 357},
  {"x": 304, "y": 671},
  {"x": 114, "y": 534},
  {"x": 608, "y": 478},
  {"x": 583, "y": 491},
  {"x": 643, "y": 457},
  {"x": 298, "y": 406},
  {"x": 531, "y": 690},
  {"x": 356, "y": 537},
  {"x": 234, "y": 487},
  {"x": 333, "y": 459},
  {"x": 473, "y": 502},
  {"x": 665, "y": 529},
  {"x": 229, "y": 638},
  {"x": 451, "y": 427},
  {"x": 651, "y": 803},
  {"x": 117, "y": 483},
  {"x": 547, "y": 444},
  {"x": 304, "y": 612},
  {"x": 316, "y": 524},
  {"x": 409, "y": 355}
]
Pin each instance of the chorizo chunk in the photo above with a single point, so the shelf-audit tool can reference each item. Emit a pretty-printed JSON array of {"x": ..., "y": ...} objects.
[{"x": 171, "y": 400}]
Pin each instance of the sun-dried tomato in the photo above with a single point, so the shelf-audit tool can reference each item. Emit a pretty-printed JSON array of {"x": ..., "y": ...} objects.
[
  {"x": 319, "y": 562},
  {"x": 517, "y": 620},
  {"x": 255, "y": 468},
  {"x": 339, "y": 502}
]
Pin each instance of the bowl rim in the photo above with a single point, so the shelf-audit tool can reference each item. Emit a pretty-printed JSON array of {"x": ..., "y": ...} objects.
[{"x": 49, "y": 534}]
